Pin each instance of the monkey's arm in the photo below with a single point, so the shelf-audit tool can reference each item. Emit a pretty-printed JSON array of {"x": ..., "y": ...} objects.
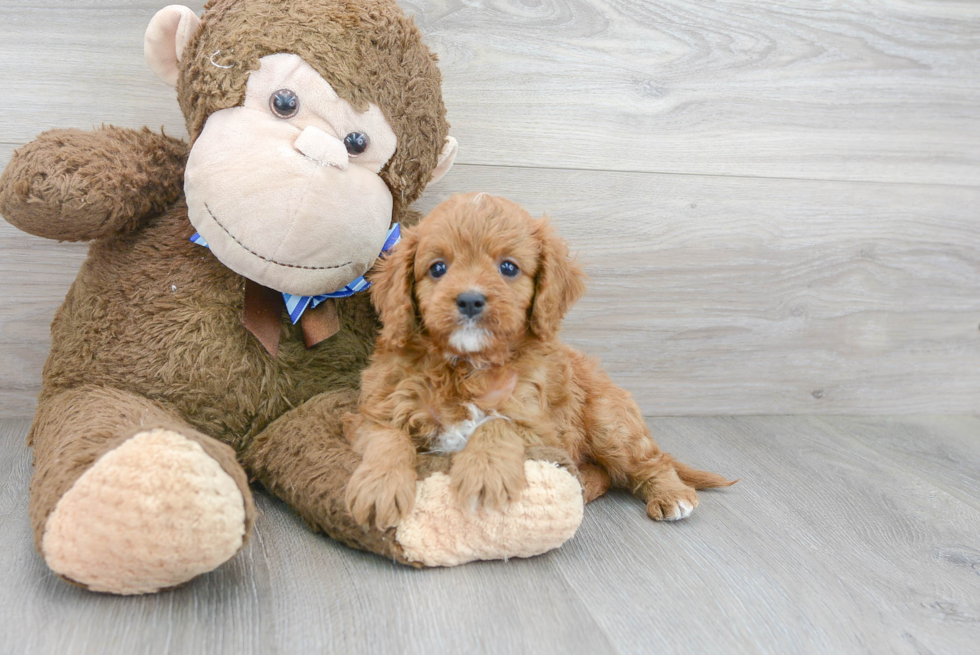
[{"x": 75, "y": 185}]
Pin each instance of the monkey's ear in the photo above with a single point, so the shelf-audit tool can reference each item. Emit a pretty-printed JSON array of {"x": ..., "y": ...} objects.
[
  {"x": 446, "y": 159},
  {"x": 392, "y": 292},
  {"x": 168, "y": 33}
]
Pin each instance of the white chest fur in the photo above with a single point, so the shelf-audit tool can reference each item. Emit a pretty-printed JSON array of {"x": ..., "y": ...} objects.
[{"x": 453, "y": 438}]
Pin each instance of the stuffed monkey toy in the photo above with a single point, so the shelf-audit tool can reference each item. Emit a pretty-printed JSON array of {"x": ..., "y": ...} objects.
[{"x": 215, "y": 333}]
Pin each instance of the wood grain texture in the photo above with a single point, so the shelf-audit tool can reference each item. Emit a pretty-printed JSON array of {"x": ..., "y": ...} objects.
[
  {"x": 827, "y": 545},
  {"x": 951, "y": 464},
  {"x": 748, "y": 296},
  {"x": 79, "y": 63},
  {"x": 835, "y": 541},
  {"x": 827, "y": 89},
  {"x": 839, "y": 89},
  {"x": 738, "y": 292},
  {"x": 707, "y": 295}
]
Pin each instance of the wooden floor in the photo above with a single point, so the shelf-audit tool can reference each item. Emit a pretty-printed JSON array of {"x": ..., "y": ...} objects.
[{"x": 845, "y": 535}]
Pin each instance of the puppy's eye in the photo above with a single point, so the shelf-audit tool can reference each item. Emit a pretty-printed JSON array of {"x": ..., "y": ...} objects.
[
  {"x": 438, "y": 269},
  {"x": 284, "y": 103},
  {"x": 356, "y": 143},
  {"x": 509, "y": 269}
]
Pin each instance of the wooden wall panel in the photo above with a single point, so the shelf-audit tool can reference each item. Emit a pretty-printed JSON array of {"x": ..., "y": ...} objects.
[
  {"x": 755, "y": 296},
  {"x": 708, "y": 294},
  {"x": 839, "y": 89},
  {"x": 779, "y": 206},
  {"x": 835, "y": 89}
]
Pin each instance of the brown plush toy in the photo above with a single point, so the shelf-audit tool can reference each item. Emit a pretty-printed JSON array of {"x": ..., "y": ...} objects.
[{"x": 175, "y": 374}]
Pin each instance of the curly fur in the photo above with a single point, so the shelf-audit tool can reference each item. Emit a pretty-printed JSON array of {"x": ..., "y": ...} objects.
[{"x": 420, "y": 383}]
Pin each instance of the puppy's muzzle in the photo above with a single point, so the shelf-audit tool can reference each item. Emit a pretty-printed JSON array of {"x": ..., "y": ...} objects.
[{"x": 471, "y": 303}]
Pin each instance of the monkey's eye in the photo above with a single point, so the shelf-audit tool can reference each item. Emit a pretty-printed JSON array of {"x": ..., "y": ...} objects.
[
  {"x": 438, "y": 269},
  {"x": 509, "y": 269},
  {"x": 356, "y": 143},
  {"x": 284, "y": 103}
]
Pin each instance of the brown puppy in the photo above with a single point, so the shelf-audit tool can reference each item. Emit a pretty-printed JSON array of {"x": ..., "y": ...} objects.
[{"x": 468, "y": 361}]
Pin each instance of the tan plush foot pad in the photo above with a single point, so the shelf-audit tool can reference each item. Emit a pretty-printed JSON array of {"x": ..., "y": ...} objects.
[
  {"x": 439, "y": 532},
  {"x": 151, "y": 514}
]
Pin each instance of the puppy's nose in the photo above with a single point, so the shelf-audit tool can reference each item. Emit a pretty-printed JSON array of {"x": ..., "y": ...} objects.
[{"x": 471, "y": 303}]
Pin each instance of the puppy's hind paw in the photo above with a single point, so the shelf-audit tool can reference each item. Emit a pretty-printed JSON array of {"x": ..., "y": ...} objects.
[{"x": 672, "y": 506}]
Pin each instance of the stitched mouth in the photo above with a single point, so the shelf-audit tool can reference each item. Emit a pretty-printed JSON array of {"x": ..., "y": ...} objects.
[{"x": 263, "y": 257}]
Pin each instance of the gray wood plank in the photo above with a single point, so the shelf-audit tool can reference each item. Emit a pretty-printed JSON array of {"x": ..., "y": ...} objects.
[
  {"x": 708, "y": 295},
  {"x": 951, "y": 463},
  {"x": 744, "y": 296},
  {"x": 80, "y": 64},
  {"x": 832, "y": 542},
  {"x": 326, "y": 597},
  {"x": 35, "y": 275},
  {"x": 830, "y": 90},
  {"x": 824, "y": 546}
]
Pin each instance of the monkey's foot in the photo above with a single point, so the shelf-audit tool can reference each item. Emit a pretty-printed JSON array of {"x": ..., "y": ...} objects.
[
  {"x": 150, "y": 514},
  {"x": 440, "y": 532}
]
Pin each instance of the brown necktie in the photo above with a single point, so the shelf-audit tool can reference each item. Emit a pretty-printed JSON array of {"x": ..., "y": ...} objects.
[{"x": 262, "y": 316}]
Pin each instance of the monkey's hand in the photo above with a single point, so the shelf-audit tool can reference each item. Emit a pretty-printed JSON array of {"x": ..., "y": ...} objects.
[{"x": 75, "y": 185}]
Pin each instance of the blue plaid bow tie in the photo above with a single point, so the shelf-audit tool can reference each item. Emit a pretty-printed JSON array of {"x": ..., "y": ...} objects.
[{"x": 296, "y": 305}]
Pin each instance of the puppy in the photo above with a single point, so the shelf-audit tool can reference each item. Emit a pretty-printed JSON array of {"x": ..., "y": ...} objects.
[{"x": 468, "y": 362}]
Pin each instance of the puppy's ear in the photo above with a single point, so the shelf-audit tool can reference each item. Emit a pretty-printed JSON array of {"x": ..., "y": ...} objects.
[
  {"x": 560, "y": 282},
  {"x": 392, "y": 292}
]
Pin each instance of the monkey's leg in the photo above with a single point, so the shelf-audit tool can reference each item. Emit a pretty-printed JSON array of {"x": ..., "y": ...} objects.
[
  {"x": 305, "y": 459},
  {"x": 127, "y": 498}
]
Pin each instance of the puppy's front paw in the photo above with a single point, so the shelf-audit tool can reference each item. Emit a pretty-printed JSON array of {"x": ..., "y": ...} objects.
[
  {"x": 672, "y": 504},
  {"x": 482, "y": 479},
  {"x": 386, "y": 493}
]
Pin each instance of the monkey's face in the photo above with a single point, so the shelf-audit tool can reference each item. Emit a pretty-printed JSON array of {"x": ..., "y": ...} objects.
[
  {"x": 290, "y": 185},
  {"x": 285, "y": 188}
]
